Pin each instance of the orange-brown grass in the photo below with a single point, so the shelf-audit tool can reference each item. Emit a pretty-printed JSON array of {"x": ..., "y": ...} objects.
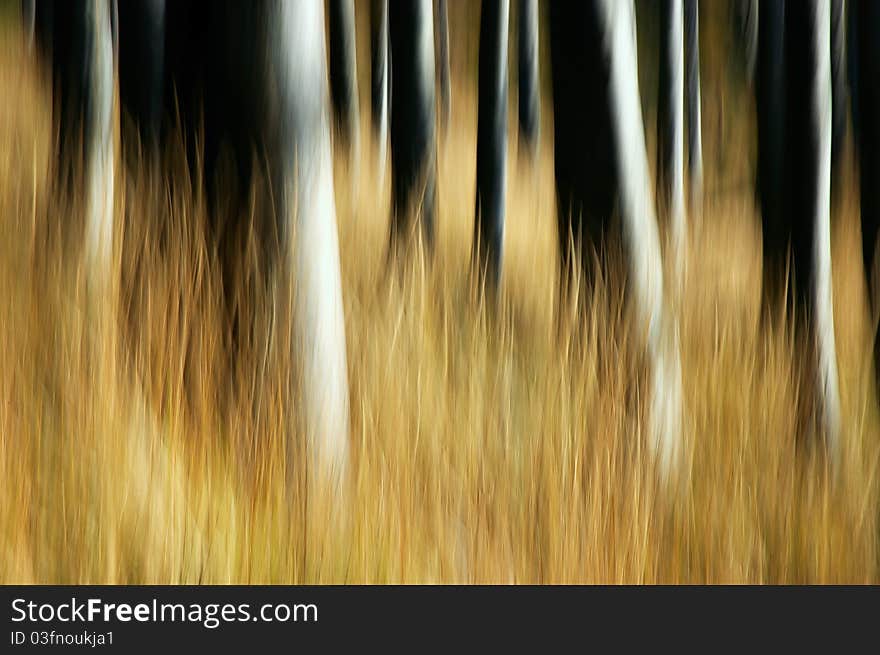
[{"x": 488, "y": 443}]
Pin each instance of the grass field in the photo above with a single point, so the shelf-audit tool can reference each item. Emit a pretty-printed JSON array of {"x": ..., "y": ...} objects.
[{"x": 488, "y": 445}]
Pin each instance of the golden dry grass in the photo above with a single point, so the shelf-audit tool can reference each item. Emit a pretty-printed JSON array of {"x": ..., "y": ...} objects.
[{"x": 487, "y": 446}]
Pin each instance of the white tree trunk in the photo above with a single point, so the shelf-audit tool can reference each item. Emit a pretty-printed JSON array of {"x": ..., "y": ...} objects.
[
  {"x": 641, "y": 234},
  {"x": 822, "y": 246},
  {"x": 673, "y": 157},
  {"x": 319, "y": 326},
  {"x": 100, "y": 173}
]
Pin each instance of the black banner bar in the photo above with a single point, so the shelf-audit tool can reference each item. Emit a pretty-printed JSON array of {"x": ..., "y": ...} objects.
[{"x": 166, "y": 618}]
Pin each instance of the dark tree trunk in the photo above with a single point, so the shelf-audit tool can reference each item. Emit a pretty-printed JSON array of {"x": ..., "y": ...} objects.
[
  {"x": 771, "y": 103},
  {"x": 142, "y": 65},
  {"x": 584, "y": 156},
  {"x": 839, "y": 93},
  {"x": 492, "y": 137},
  {"x": 442, "y": 37},
  {"x": 694, "y": 110},
  {"x": 529, "y": 83},
  {"x": 343, "y": 68},
  {"x": 413, "y": 116},
  {"x": 868, "y": 25}
]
